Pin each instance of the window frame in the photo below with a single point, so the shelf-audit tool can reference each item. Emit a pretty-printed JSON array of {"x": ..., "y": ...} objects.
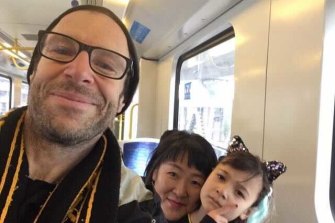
[{"x": 210, "y": 43}]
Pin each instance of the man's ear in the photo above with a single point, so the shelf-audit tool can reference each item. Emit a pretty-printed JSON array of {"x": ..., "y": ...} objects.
[
  {"x": 31, "y": 77},
  {"x": 247, "y": 213},
  {"x": 121, "y": 104}
]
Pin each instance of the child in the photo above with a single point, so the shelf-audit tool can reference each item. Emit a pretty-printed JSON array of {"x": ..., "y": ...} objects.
[
  {"x": 236, "y": 187},
  {"x": 176, "y": 172}
]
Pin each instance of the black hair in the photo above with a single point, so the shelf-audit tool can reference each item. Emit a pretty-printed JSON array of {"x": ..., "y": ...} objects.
[
  {"x": 175, "y": 144},
  {"x": 132, "y": 78},
  {"x": 245, "y": 161}
]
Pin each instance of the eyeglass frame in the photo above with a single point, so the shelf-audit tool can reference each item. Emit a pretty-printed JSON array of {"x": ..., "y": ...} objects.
[{"x": 88, "y": 49}]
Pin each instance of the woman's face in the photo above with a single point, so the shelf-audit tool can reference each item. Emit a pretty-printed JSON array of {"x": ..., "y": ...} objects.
[
  {"x": 228, "y": 187},
  {"x": 178, "y": 187}
]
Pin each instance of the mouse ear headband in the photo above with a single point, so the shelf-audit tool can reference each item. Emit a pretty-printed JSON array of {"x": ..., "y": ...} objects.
[{"x": 273, "y": 168}]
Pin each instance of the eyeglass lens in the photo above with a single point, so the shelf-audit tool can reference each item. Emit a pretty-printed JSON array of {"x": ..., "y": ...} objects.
[{"x": 65, "y": 49}]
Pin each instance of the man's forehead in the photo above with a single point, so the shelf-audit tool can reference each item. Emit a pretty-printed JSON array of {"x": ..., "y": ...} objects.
[
  {"x": 83, "y": 18},
  {"x": 93, "y": 28}
]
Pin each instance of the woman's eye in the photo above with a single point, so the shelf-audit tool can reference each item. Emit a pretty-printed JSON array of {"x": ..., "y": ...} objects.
[
  {"x": 172, "y": 174},
  {"x": 196, "y": 183}
]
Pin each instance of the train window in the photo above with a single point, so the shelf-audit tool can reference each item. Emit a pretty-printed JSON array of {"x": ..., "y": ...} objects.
[
  {"x": 5, "y": 93},
  {"x": 24, "y": 93},
  {"x": 205, "y": 89}
]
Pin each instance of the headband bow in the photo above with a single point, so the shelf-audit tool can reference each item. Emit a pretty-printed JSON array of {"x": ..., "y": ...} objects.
[{"x": 273, "y": 168}]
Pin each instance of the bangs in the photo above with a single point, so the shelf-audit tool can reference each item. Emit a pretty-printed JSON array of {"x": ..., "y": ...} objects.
[{"x": 197, "y": 155}]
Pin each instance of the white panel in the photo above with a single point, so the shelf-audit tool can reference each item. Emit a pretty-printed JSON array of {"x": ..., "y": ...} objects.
[
  {"x": 292, "y": 101},
  {"x": 147, "y": 98},
  {"x": 27, "y": 17},
  {"x": 326, "y": 120},
  {"x": 251, "y": 30},
  {"x": 172, "y": 22},
  {"x": 164, "y": 82}
]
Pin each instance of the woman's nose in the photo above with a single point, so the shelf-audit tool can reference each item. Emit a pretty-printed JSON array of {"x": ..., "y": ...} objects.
[{"x": 181, "y": 188}]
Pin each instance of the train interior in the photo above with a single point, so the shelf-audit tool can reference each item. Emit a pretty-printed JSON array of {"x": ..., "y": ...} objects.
[{"x": 261, "y": 69}]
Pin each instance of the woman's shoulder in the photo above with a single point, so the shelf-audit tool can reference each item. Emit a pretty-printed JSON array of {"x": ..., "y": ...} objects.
[
  {"x": 132, "y": 187},
  {"x": 152, "y": 206},
  {"x": 133, "y": 213}
]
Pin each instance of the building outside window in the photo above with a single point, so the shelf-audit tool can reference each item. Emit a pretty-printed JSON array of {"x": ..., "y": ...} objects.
[
  {"x": 206, "y": 93},
  {"x": 5, "y": 94}
]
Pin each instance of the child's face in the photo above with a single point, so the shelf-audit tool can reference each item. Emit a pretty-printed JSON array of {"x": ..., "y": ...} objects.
[
  {"x": 178, "y": 186},
  {"x": 232, "y": 188}
]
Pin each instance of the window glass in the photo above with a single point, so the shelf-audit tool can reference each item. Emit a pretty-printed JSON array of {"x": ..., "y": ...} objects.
[
  {"x": 206, "y": 93},
  {"x": 24, "y": 93},
  {"x": 5, "y": 93}
]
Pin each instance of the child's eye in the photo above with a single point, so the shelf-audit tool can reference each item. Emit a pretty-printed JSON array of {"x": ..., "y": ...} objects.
[
  {"x": 221, "y": 177},
  {"x": 240, "y": 194}
]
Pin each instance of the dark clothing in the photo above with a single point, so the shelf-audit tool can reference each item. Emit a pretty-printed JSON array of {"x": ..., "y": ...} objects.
[
  {"x": 153, "y": 206},
  {"x": 36, "y": 192},
  {"x": 92, "y": 191},
  {"x": 207, "y": 219}
]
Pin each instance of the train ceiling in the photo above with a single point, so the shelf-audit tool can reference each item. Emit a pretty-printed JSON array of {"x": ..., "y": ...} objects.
[{"x": 157, "y": 26}]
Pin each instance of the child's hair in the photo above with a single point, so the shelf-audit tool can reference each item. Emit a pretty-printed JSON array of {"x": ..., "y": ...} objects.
[
  {"x": 239, "y": 158},
  {"x": 175, "y": 144}
]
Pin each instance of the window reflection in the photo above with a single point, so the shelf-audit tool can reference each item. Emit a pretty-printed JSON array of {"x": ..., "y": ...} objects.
[
  {"x": 5, "y": 91},
  {"x": 206, "y": 93},
  {"x": 24, "y": 94}
]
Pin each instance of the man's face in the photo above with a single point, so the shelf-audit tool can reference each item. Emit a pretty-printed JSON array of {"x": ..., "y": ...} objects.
[{"x": 68, "y": 102}]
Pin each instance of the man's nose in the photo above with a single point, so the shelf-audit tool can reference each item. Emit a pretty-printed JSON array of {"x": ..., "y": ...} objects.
[{"x": 80, "y": 70}]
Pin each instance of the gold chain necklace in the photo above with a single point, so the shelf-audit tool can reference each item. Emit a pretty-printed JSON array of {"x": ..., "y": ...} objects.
[{"x": 189, "y": 218}]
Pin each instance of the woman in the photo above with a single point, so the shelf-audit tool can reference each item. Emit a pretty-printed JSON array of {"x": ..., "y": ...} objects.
[{"x": 176, "y": 172}]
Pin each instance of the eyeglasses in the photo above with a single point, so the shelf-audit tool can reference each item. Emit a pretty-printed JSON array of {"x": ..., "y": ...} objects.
[{"x": 64, "y": 49}]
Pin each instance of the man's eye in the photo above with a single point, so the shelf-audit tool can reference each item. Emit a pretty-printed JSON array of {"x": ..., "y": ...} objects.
[
  {"x": 62, "y": 50},
  {"x": 104, "y": 66}
]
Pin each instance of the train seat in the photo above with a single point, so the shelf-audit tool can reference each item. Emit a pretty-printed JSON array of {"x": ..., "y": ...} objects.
[{"x": 136, "y": 153}]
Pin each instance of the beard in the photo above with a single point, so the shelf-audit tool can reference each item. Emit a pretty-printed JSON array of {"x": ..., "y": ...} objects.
[{"x": 47, "y": 121}]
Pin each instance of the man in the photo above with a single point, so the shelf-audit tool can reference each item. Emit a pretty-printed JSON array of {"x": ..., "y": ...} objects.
[{"x": 59, "y": 162}]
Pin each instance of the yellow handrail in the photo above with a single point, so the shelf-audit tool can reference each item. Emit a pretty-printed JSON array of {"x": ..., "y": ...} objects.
[
  {"x": 17, "y": 65},
  {"x": 121, "y": 121},
  {"x": 14, "y": 52},
  {"x": 131, "y": 120}
]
